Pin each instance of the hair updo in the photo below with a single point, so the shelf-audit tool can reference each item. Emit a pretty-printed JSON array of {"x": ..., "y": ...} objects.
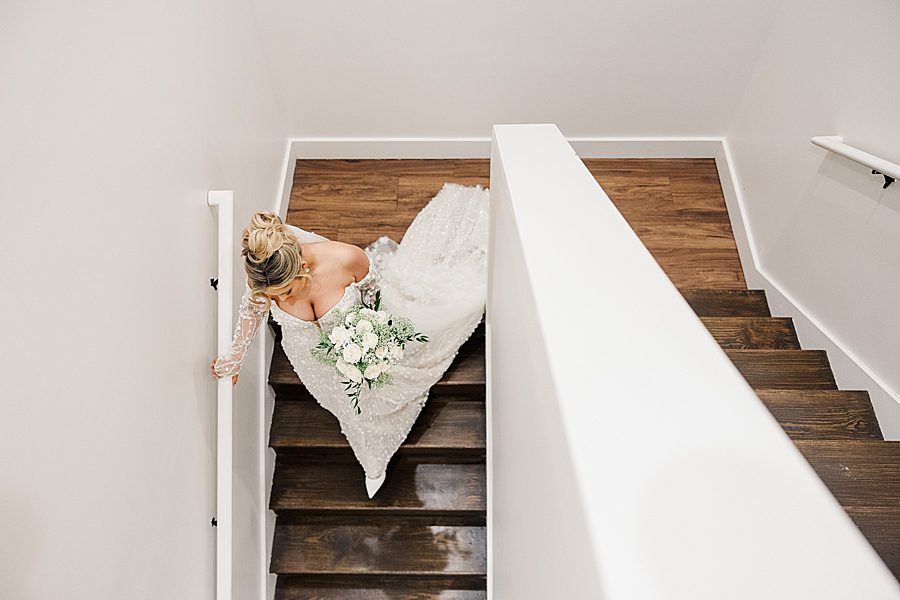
[{"x": 271, "y": 255}]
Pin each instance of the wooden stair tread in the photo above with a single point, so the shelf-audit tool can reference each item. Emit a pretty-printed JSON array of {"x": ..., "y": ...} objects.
[
  {"x": 864, "y": 477},
  {"x": 727, "y": 303},
  {"x": 395, "y": 548},
  {"x": 466, "y": 372},
  {"x": 757, "y": 333},
  {"x": 881, "y": 527},
  {"x": 823, "y": 414},
  {"x": 291, "y": 587},
  {"x": 468, "y": 368},
  {"x": 860, "y": 473},
  {"x": 411, "y": 487},
  {"x": 784, "y": 369},
  {"x": 444, "y": 423}
]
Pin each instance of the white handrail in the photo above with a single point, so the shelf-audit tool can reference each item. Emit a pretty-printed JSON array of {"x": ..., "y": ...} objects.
[
  {"x": 223, "y": 199},
  {"x": 835, "y": 143}
]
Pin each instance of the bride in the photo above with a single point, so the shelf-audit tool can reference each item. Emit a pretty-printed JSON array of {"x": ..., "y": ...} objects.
[{"x": 436, "y": 277}]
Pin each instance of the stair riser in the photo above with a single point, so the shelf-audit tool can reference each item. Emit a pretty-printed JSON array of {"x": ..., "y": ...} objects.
[
  {"x": 474, "y": 518},
  {"x": 383, "y": 587},
  {"x": 470, "y": 392},
  {"x": 435, "y": 455}
]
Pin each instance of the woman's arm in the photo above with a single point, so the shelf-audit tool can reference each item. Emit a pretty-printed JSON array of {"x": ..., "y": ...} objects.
[{"x": 250, "y": 317}]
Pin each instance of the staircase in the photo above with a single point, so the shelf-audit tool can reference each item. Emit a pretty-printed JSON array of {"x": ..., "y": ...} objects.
[
  {"x": 423, "y": 535},
  {"x": 835, "y": 430}
]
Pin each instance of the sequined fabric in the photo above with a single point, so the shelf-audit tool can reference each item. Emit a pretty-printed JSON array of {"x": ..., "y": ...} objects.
[{"x": 437, "y": 276}]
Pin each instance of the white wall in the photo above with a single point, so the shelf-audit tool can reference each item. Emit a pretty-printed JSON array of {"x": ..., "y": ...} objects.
[
  {"x": 456, "y": 67},
  {"x": 624, "y": 463},
  {"x": 826, "y": 233},
  {"x": 116, "y": 118}
]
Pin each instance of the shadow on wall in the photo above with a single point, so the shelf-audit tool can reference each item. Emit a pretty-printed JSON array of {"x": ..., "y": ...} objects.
[
  {"x": 17, "y": 549},
  {"x": 859, "y": 180}
]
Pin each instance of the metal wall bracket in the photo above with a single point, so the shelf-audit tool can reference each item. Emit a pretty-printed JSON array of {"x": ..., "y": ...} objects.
[{"x": 888, "y": 180}]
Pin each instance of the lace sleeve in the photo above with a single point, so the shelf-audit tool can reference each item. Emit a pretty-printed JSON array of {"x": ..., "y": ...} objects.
[
  {"x": 250, "y": 317},
  {"x": 371, "y": 283}
]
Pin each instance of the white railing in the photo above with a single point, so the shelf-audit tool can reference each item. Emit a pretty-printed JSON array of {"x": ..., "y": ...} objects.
[
  {"x": 223, "y": 199},
  {"x": 627, "y": 457},
  {"x": 879, "y": 166}
]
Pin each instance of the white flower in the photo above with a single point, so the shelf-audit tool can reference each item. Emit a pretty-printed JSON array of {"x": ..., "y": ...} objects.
[
  {"x": 381, "y": 352},
  {"x": 364, "y": 326},
  {"x": 349, "y": 371},
  {"x": 350, "y": 318},
  {"x": 352, "y": 353},
  {"x": 369, "y": 341},
  {"x": 339, "y": 335},
  {"x": 367, "y": 313},
  {"x": 395, "y": 351},
  {"x": 341, "y": 365},
  {"x": 373, "y": 371},
  {"x": 354, "y": 374},
  {"x": 381, "y": 316}
]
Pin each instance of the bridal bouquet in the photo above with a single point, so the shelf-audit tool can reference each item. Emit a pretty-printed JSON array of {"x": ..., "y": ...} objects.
[{"x": 363, "y": 346}]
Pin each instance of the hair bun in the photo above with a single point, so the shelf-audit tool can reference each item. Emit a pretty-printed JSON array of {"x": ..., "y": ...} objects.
[{"x": 264, "y": 236}]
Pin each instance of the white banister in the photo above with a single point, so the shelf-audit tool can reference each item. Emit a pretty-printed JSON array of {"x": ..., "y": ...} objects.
[
  {"x": 879, "y": 166},
  {"x": 223, "y": 200},
  {"x": 627, "y": 458}
]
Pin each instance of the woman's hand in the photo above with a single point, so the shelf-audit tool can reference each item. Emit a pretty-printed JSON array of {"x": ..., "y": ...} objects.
[{"x": 212, "y": 369}]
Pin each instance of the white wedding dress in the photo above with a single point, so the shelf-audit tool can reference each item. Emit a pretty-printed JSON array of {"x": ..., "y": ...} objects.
[{"x": 437, "y": 277}]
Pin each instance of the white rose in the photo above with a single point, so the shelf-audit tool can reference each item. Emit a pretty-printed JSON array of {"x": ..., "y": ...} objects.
[
  {"x": 373, "y": 371},
  {"x": 341, "y": 365},
  {"x": 381, "y": 316},
  {"x": 352, "y": 353},
  {"x": 395, "y": 351},
  {"x": 369, "y": 341},
  {"x": 339, "y": 335},
  {"x": 350, "y": 318},
  {"x": 368, "y": 313},
  {"x": 354, "y": 374},
  {"x": 381, "y": 352},
  {"x": 364, "y": 326}
]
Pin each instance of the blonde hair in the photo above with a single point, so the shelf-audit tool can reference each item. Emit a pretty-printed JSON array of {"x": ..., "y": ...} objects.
[{"x": 271, "y": 255}]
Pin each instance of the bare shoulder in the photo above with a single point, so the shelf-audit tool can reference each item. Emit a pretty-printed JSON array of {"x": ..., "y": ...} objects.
[{"x": 350, "y": 257}]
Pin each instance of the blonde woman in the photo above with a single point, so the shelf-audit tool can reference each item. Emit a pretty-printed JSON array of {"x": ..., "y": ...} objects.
[{"x": 437, "y": 277}]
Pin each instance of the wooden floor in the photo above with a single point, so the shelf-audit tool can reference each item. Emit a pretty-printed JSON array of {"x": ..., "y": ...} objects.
[
  {"x": 326, "y": 539},
  {"x": 675, "y": 206},
  {"x": 353, "y": 200}
]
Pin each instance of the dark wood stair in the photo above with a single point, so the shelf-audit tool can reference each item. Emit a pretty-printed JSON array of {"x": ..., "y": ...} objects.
[
  {"x": 835, "y": 430},
  {"x": 753, "y": 333},
  {"x": 446, "y": 424},
  {"x": 423, "y": 535},
  {"x": 464, "y": 378},
  {"x": 351, "y": 587},
  {"x": 404, "y": 547},
  {"x": 328, "y": 533},
  {"x": 784, "y": 369}
]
